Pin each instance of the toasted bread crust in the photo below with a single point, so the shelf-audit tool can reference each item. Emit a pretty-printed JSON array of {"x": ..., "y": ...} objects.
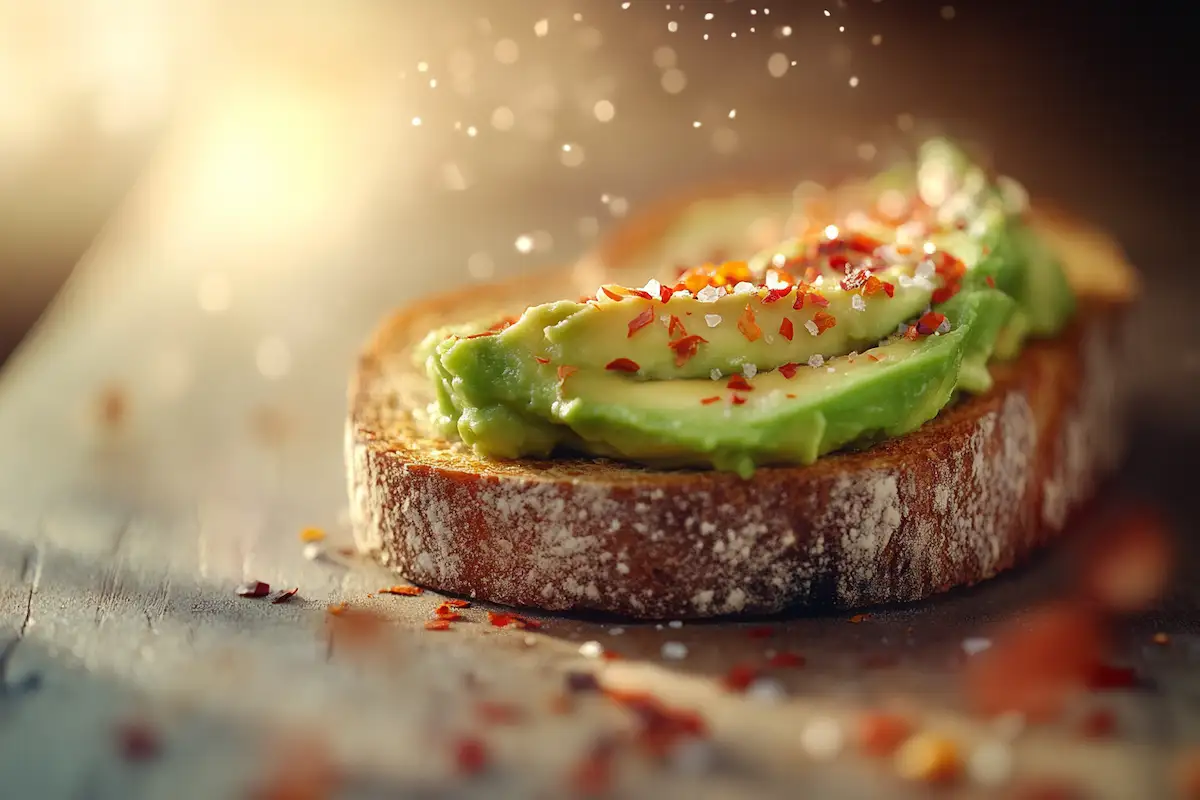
[{"x": 971, "y": 493}]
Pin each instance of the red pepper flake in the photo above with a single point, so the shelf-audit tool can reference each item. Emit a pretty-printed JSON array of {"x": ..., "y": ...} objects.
[
  {"x": 739, "y": 677},
  {"x": 622, "y": 365},
  {"x": 857, "y": 618},
  {"x": 739, "y": 384},
  {"x": 138, "y": 741},
  {"x": 708, "y": 401},
  {"x": 944, "y": 293},
  {"x": 494, "y": 713},
  {"x": 686, "y": 347},
  {"x": 565, "y": 372},
  {"x": 855, "y": 280},
  {"x": 447, "y": 613},
  {"x": 929, "y": 322},
  {"x": 880, "y": 733},
  {"x": 889, "y": 288},
  {"x": 664, "y": 293},
  {"x": 456, "y": 603},
  {"x": 760, "y": 632},
  {"x": 1129, "y": 562},
  {"x": 1105, "y": 677},
  {"x": 789, "y": 370},
  {"x": 337, "y": 609},
  {"x": 541, "y": 360},
  {"x": 1099, "y": 723},
  {"x": 285, "y": 596},
  {"x": 787, "y": 660},
  {"x": 437, "y": 624},
  {"x": 872, "y": 357},
  {"x": 253, "y": 589},
  {"x": 839, "y": 262},
  {"x": 790, "y": 396},
  {"x": 310, "y": 535},
  {"x": 991, "y": 282},
  {"x": 642, "y": 293},
  {"x": 748, "y": 326},
  {"x": 406, "y": 591},
  {"x": 1161, "y": 638},
  {"x": 1036, "y": 662},
  {"x": 786, "y": 329},
  {"x": 874, "y": 286},
  {"x": 773, "y": 295},
  {"x": 823, "y": 321},
  {"x": 676, "y": 324},
  {"x": 502, "y": 620},
  {"x": 911, "y": 333},
  {"x": 739, "y": 400},
  {"x": 470, "y": 755},
  {"x": 611, "y": 295},
  {"x": 640, "y": 321}
]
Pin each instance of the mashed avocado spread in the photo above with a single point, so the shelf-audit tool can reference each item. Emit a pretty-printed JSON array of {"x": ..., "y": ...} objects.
[{"x": 861, "y": 329}]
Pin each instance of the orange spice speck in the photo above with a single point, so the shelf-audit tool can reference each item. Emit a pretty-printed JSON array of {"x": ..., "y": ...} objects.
[{"x": 312, "y": 535}]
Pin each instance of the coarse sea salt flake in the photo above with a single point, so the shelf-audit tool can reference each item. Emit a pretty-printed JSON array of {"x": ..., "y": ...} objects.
[
  {"x": 857, "y": 303},
  {"x": 749, "y": 370},
  {"x": 811, "y": 327},
  {"x": 653, "y": 287},
  {"x": 715, "y": 374},
  {"x": 709, "y": 294},
  {"x": 591, "y": 649},
  {"x": 674, "y": 651},
  {"x": 713, "y": 320},
  {"x": 744, "y": 287},
  {"x": 816, "y": 360}
]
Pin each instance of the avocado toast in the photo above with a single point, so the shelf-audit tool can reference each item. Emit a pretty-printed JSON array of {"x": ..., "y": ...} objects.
[{"x": 881, "y": 405}]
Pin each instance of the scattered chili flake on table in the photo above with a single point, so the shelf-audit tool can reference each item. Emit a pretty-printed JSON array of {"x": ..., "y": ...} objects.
[
  {"x": 786, "y": 660},
  {"x": 1129, "y": 561},
  {"x": 502, "y": 620},
  {"x": 739, "y": 677},
  {"x": 437, "y": 624},
  {"x": 748, "y": 326},
  {"x": 1161, "y": 638},
  {"x": 138, "y": 741},
  {"x": 285, "y": 596},
  {"x": 470, "y": 755},
  {"x": 661, "y": 728},
  {"x": 760, "y": 632},
  {"x": 253, "y": 589},
  {"x": 312, "y": 535},
  {"x": 857, "y": 618},
  {"x": 622, "y": 365},
  {"x": 456, "y": 603},
  {"x": 640, "y": 321},
  {"x": 404, "y": 591},
  {"x": 880, "y": 733},
  {"x": 447, "y": 613}
]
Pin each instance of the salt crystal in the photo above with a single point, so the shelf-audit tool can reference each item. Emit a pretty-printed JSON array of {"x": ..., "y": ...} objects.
[
  {"x": 816, "y": 360},
  {"x": 591, "y": 650},
  {"x": 616, "y": 631},
  {"x": 743, "y": 287},
  {"x": 708, "y": 294},
  {"x": 715, "y": 374},
  {"x": 779, "y": 259},
  {"x": 811, "y": 327},
  {"x": 925, "y": 269},
  {"x": 823, "y": 738},
  {"x": 653, "y": 287},
  {"x": 674, "y": 651},
  {"x": 766, "y": 690},
  {"x": 312, "y": 551},
  {"x": 857, "y": 303},
  {"x": 675, "y": 623},
  {"x": 830, "y": 369},
  {"x": 944, "y": 327},
  {"x": 749, "y": 370},
  {"x": 905, "y": 281},
  {"x": 713, "y": 320},
  {"x": 681, "y": 293}
]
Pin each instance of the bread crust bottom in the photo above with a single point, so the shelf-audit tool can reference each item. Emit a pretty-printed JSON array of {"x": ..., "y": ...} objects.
[{"x": 966, "y": 496}]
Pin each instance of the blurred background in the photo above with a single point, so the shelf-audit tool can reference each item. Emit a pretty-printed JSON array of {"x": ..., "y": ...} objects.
[{"x": 409, "y": 142}]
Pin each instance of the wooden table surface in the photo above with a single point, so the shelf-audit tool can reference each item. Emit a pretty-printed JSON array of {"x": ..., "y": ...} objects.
[{"x": 154, "y": 455}]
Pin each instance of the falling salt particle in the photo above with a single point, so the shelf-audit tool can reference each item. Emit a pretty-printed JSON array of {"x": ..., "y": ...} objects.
[
  {"x": 672, "y": 26},
  {"x": 433, "y": 83},
  {"x": 605, "y": 198},
  {"x": 706, "y": 37},
  {"x": 733, "y": 35},
  {"x": 841, "y": 29},
  {"x": 831, "y": 232},
  {"x": 506, "y": 51},
  {"x": 766, "y": 690},
  {"x": 713, "y": 320},
  {"x": 480, "y": 266},
  {"x": 674, "y": 651},
  {"x": 823, "y": 737},
  {"x": 472, "y": 131},
  {"x": 877, "y": 39},
  {"x": 991, "y": 764},
  {"x": 591, "y": 650},
  {"x": 779, "y": 259},
  {"x": 542, "y": 26},
  {"x": 652, "y": 287},
  {"x": 854, "y": 81},
  {"x": 312, "y": 551},
  {"x": 785, "y": 31},
  {"x": 857, "y": 303},
  {"x": 673, "y": 81},
  {"x": 947, "y": 13},
  {"x": 793, "y": 63},
  {"x": 416, "y": 121},
  {"x": 732, "y": 113},
  {"x": 708, "y": 16},
  {"x": 749, "y": 370},
  {"x": 975, "y": 645},
  {"x": 816, "y": 359},
  {"x": 944, "y": 326},
  {"x": 503, "y": 118},
  {"x": 625, "y": 6},
  {"x": 572, "y": 155},
  {"x": 524, "y": 244},
  {"x": 604, "y": 111},
  {"x": 929, "y": 248},
  {"x": 422, "y": 66},
  {"x": 827, "y": 12},
  {"x": 578, "y": 17},
  {"x": 866, "y": 151},
  {"x": 664, "y": 57},
  {"x": 619, "y": 207},
  {"x": 777, "y": 65}
]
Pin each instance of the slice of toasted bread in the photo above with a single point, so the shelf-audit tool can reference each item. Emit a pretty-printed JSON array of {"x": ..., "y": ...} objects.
[{"x": 969, "y": 494}]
